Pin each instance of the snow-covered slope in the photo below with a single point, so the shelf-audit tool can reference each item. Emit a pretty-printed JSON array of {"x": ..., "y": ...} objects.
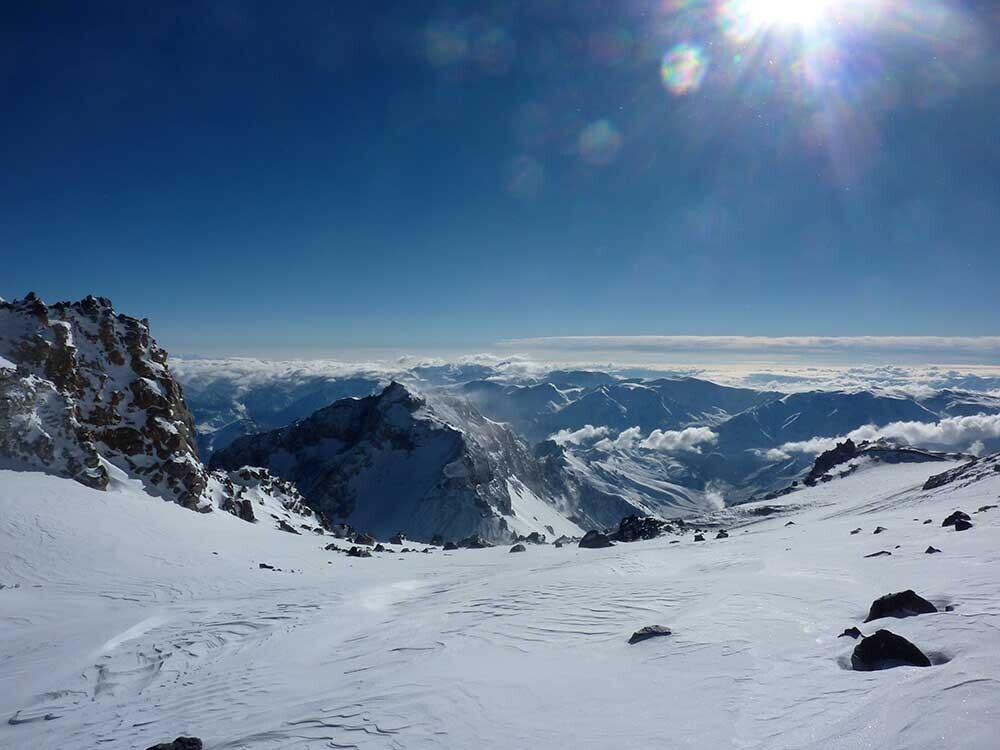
[
  {"x": 392, "y": 462},
  {"x": 134, "y": 621}
]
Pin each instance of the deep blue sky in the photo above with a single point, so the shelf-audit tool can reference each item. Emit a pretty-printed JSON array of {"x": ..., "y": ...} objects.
[{"x": 298, "y": 177}]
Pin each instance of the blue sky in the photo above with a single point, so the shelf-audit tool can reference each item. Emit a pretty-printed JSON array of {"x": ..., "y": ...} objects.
[{"x": 313, "y": 176}]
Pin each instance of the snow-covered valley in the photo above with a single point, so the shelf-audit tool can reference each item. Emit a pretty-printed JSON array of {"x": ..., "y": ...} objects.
[{"x": 126, "y": 621}]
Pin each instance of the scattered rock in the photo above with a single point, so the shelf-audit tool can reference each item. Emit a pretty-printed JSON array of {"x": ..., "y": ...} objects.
[
  {"x": 856, "y": 531},
  {"x": 984, "y": 508},
  {"x": 449, "y": 546},
  {"x": 931, "y": 551},
  {"x": 379, "y": 547},
  {"x": 285, "y": 526},
  {"x": 534, "y": 538},
  {"x": 961, "y": 525},
  {"x": 851, "y": 633},
  {"x": 886, "y": 650},
  {"x": 181, "y": 743},
  {"x": 650, "y": 631},
  {"x": 879, "y": 529},
  {"x": 929, "y": 520},
  {"x": 790, "y": 523},
  {"x": 474, "y": 542},
  {"x": 358, "y": 552},
  {"x": 518, "y": 548},
  {"x": 880, "y": 553},
  {"x": 366, "y": 539},
  {"x": 900, "y": 604},
  {"x": 265, "y": 566},
  {"x": 699, "y": 537},
  {"x": 595, "y": 540},
  {"x": 722, "y": 534},
  {"x": 397, "y": 538},
  {"x": 955, "y": 518},
  {"x": 558, "y": 544}
]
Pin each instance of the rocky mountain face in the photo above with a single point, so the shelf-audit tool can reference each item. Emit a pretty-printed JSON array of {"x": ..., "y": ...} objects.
[
  {"x": 92, "y": 384},
  {"x": 86, "y": 393},
  {"x": 392, "y": 462}
]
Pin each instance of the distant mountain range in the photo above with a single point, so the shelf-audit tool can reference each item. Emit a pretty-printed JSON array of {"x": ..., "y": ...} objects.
[{"x": 448, "y": 451}]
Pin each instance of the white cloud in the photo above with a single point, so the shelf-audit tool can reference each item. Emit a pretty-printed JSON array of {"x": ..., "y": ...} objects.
[
  {"x": 576, "y": 437},
  {"x": 952, "y": 432},
  {"x": 690, "y": 439}
]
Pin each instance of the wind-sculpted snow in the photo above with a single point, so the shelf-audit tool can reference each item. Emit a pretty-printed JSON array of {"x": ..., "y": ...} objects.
[{"x": 136, "y": 633}]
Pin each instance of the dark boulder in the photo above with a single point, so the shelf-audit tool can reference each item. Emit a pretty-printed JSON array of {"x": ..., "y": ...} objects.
[
  {"x": 379, "y": 548},
  {"x": 518, "y": 548},
  {"x": 961, "y": 525},
  {"x": 851, "y": 633},
  {"x": 699, "y": 537},
  {"x": 955, "y": 517},
  {"x": 886, "y": 650},
  {"x": 449, "y": 546},
  {"x": 474, "y": 542},
  {"x": 984, "y": 508},
  {"x": 931, "y": 551},
  {"x": 722, "y": 534},
  {"x": 856, "y": 531},
  {"x": 901, "y": 604},
  {"x": 880, "y": 553},
  {"x": 929, "y": 520},
  {"x": 358, "y": 552},
  {"x": 535, "y": 538},
  {"x": 595, "y": 540},
  {"x": 397, "y": 538},
  {"x": 265, "y": 566},
  {"x": 366, "y": 539},
  {"x": 790, "y": 523},
  {"x": 879, "y": 529},
  {"x": 634, "y": 528},
  {"x": 181, "y": 743},
  {"x": 650, "y": 631}
]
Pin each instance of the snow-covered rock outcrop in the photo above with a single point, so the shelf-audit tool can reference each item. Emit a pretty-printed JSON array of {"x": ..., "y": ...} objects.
[
  {"x": 86, "y": 393},
  {"x": 392, "y": 462}
]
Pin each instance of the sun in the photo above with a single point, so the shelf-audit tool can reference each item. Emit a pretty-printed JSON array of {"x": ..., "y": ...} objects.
[{"x": 787, "y": 12}]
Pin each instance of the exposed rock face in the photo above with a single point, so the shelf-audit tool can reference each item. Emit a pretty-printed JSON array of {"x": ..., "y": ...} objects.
[
  {"x": 90, "y": 394},
  {"x": 93, "y": 384},
  {"x": 973, "y": 471},
  {"x": 886, "y": 650},
  {"x": 394, "y": 464},
  {"x": 900, "y": 604}
]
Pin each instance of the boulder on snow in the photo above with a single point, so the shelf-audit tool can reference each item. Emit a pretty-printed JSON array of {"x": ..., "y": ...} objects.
[
  {"x": 379, "y": 548},
  {"x": 533, "y": 538},
  {"x": 880, "y": 553},
  {"x": 518, "y": 548},
  {"x": 900, "y": 604},
  {"x": 595, "y": 540},
  {"x": 886, "y": 650},
  {"x": 181, "y": 743},
  {"x": 962, "y": 525},
  {"x": 722, "y": 534},
  {"x": 879, "y": 529},
  {"x": 955, "y": 518},
  {"x": 856, "y": 531},
  {"x": 851, "y": 633},
  {"x": 650, "y": 631},
  {"x": 474, "y": 542},
  {"x": 634, "y": 528},
  {"x": 397, "y": 538},
  {"x": 931, "y": 551},
  {"x": 699, "y": 537},
  {"x": 358, "y": 552},
  {"x": 366, "y": 539}
]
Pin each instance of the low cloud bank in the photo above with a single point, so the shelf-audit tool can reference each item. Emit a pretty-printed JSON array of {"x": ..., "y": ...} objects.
[{"x": 952, "y": 432}]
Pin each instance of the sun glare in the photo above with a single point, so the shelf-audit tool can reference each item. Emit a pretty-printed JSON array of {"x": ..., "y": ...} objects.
[{"x": 787, "y": 12}]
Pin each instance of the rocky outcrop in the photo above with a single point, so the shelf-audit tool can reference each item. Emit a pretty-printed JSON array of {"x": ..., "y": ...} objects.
[
  {"x": 92, "y": 386},
  {"x": 595, "y": 540},
  {"x": 650, "y": 631},
  {"x": 86, "y": 393}
]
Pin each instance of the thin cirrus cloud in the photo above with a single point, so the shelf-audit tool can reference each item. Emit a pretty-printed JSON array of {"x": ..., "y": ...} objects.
[{"x": 985, "y": 348}]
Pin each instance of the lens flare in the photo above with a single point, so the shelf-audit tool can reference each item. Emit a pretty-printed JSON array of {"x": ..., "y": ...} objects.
[
  {"x": 599, "y": 143},
  {"x": 683, "y": 69}
]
